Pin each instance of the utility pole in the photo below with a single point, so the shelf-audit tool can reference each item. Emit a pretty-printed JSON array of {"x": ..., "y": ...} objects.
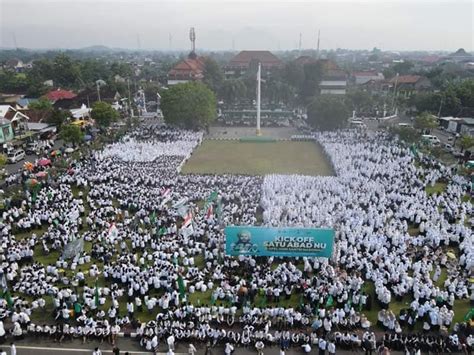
[
  {"x": 317, "y": 47},
  {"x": 259, "y": 133},
  {"x": 440, "y": 106},
  {"x": 395, "y": 91}
]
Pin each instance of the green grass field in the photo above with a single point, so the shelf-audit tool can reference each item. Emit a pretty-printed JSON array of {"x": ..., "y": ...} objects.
[{"x": 249, "y": 158}]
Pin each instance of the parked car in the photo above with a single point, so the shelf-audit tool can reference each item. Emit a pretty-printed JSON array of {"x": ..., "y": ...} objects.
[
  {"x": 430, "y": 139},
  {"x": 16, "y": 156},
  {"x": 448, "y": 147},
  {"x": 32, "y": 147}
]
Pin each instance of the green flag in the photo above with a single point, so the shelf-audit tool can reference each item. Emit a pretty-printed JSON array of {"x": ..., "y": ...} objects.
[
  {"x": 219, "y": 210},
  {"x": 182, "y": 290},
  {"x": 7, "y": 297},
  {"x": 96, "y": 295},
  {"x": 212, "y": 196},
  {"x": 469, "y": 315},
  {"x": 77, "y": 308},
  {"x": 329, "y": 302},
  {"x": 161, "y": 231},
  {"x": 153, "y": 218}
]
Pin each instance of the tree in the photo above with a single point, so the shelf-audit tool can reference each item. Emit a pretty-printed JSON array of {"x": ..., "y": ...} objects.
[
  {"x": 66, "y": 71},
  {"x": 407, "y": 134},
  {"x": 466, "y": 142},
  {"x": 293, "y": 74},
  {"x": 71, "y": 134},
  {"x": 426, "y": 121},
  {"x": 327, "y": 113},
  {"x": 359, "y": 100},
  {"x": 313, "y": 73},
  {"x": 103, "y": 114},
  {"x": 213, "y": 75},
  {"x": 388, "y": 73},
  {"x": 190, "y": 105},
  {"x": 42, "y": 108},
  {"x": 57, "y": 118},
  {"x": 41, "y": 105},
  {"x": 3, "y": 160},
  {"x": 403, "y": 68},
  {"x": 232, "y": 90}
]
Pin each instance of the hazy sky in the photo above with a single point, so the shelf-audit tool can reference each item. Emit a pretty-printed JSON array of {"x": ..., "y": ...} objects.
[{"x": 249, "y": 24}]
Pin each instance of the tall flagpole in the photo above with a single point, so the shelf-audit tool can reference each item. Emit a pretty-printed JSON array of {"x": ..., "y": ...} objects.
[{"x": 259, "y": 133}]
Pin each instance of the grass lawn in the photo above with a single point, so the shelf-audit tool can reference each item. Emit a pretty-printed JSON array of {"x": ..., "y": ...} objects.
[
  {"x": 258, "y": 158},
  {"x": 438, "y": 188}
]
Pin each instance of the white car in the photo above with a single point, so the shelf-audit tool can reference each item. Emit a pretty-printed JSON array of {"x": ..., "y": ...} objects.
[{"x": 16, "y": 156}]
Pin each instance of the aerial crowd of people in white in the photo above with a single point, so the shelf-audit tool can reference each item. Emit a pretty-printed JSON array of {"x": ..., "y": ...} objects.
[{"x": 131, "y": 209}]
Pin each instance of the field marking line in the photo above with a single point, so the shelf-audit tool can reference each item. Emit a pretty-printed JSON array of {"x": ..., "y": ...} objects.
[{"x": 25, "y": 347}]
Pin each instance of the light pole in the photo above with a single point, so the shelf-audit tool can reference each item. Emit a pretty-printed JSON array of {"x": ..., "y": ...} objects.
[{"x": 259, "y": 133}]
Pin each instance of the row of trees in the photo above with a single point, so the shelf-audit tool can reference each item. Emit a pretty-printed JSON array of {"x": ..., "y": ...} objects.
[
  {"x": 456, "y": 99},
  {"x": 290, "y": 85},
  {"x": 67, "y": 73}
]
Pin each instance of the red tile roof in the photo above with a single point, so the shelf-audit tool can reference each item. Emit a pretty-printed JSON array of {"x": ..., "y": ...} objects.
[
  {"x": 188, "y": 68},
  {"x": 266, "y": 58},
  {"x": 406, "y": 79},
  {"x": 60, "y": 94}
]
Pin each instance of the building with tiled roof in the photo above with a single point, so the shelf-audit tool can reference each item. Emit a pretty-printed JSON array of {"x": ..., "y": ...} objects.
[
  {"x": 407, "y": 85},
  {"x": 246, "y": 60},
  {"x": 189, "y": 69},
  {"x": 334, "y": 80},
  {"x": 362, "y": 77},
  {"x": 60, "y": 94}
]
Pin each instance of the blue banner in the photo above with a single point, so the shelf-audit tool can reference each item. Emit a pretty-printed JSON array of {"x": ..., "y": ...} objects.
[{"x": 267, "y": 241}]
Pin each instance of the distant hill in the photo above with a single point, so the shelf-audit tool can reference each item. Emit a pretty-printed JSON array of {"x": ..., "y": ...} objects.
[
  {"x": 97, "y": 48},
  {"x": 460, "y": 53}
]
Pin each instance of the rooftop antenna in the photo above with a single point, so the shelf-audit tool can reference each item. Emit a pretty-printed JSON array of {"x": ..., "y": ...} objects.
[
  {"x": 192, "y": 37},
  {"x": 317, "y": 48}
]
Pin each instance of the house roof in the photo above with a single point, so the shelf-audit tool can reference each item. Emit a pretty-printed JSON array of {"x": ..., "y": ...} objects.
[
  {"x": 34, "y": 116},
  {"x": 406, "y": 79},
  {"x": 60, "y": 94},
  {"x": 468, "y": 121},
  {"x": 266, "y": 58},
  {"x": 10, "y": 113},
  {"x": 4, "y": 109},
  {"x": 365, "y": 73},
  {"x": 190, "y": 67}
]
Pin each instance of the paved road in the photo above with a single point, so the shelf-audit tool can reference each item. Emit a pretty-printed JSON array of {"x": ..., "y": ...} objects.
[{"x": 13, "y": 168}]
